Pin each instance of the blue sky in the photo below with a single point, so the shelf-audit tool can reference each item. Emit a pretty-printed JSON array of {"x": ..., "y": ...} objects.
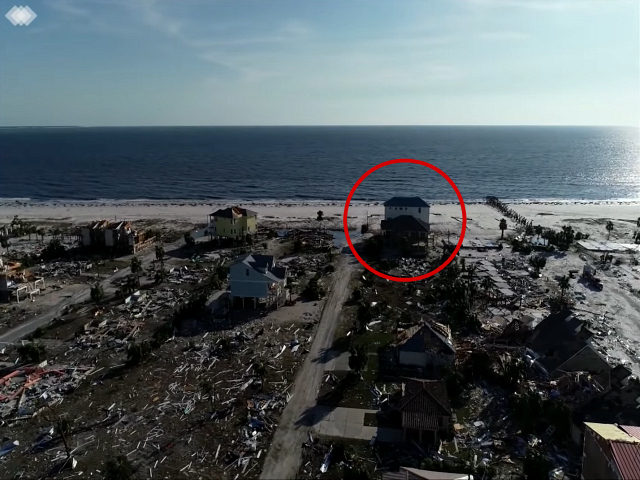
[{"x": 281, "y": 62}]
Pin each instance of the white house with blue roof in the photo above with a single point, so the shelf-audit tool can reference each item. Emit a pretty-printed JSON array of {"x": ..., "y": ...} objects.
[
  {"x": 412, "y": 206},
  {"x": 256, "y": 277}
]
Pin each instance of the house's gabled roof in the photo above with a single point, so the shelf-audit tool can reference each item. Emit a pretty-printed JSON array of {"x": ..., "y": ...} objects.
[
  {"x": 558, "y": 337},
  {"x": 621, "y": 445},
  {"x": 408, "y": 473},
  {"x": 612, "y": 432},
  {"x": 587, "y": 359},
  {"x": 627, "y": 459},
  {"x": 234, "y": 211},
  {"x": 425, "y": 337},
  {"x": 620, "y": 372},
  {"x": 405, "y": 202},
  {"x": 118, "y": 225},
  {"x": 265, "y": 265},
  {"x": 631, "y": 430},
  {"x": 404, "y": 223},
  {"x": 98, "y": 225},
  {"x": 423, "y": 403},
  {"x": 257, "y": 261}
]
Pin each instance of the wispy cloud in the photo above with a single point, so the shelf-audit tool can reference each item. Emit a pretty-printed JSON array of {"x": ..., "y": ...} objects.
[
  {"x": 153, "y": 16},
  {"x": 503, "y": 35},
  {"x": 548, "y": 5},
  {"x": 220, "y": 48},
  {"x": 69, "y": 7}
]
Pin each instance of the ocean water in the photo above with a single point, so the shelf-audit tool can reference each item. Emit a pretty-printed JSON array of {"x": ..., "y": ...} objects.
[{"x": 318, "y": 163}]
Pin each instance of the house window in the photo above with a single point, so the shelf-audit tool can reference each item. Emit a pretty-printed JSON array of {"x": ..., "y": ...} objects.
[
  {"x": 419, "y": 210},
  {"x": 247, "y": 272}
]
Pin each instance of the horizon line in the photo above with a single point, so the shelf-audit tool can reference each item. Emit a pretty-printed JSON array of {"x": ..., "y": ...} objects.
[{"x": 327, "y": 125}]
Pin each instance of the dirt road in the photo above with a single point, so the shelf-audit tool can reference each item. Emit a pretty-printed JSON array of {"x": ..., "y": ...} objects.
[{"x": 283, "y": 460}]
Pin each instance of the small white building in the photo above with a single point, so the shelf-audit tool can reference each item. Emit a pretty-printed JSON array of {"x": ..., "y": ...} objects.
[{"x": 412, "y": 206}]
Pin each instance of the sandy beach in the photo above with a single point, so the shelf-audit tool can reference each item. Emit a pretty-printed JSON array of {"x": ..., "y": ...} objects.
[{"x": 588, "y": 217}]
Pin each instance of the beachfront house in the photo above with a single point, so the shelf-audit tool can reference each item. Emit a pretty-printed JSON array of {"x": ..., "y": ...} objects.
[
  {"x": 115, "y": 237},
  {"x": 233, "y": 222},
  {"x": 406, "y": 216},
  {"x": 256, "y": 278}
]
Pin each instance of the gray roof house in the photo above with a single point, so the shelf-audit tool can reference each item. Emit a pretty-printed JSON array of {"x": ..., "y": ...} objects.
[
  {"x": 405, "y": 202},
  {"x": 406, "y": 216},
  {"x": 257, "y": 277}
]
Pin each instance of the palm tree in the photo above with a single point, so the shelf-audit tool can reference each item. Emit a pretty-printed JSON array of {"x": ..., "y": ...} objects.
[
  {"x": 160, "y": 275},
  {"x": 160, "y": 253},
  {"x": 320, "y": 215},
  {"x": 538, "y": 262},
  {"x": 41, "y": 232},
  {"x": 130, "y": 285},
  {"x": 65, "y": 430},
  {"x": 503, "y": 227},
  {"x": 189, "y": 240},
  {"x": 563, "y": 283},
  {"x": 486, "y": 284},
  {"x": 261, "y": 371},
  {"x": 136, "y": 268},
  {"x": 636, "y": 237},
  {"x": 358, "y": 359},
  {"x": 136, "y": 264},
  {"x": 97, "y": 293},
  {"x": 609, "y": 228}
]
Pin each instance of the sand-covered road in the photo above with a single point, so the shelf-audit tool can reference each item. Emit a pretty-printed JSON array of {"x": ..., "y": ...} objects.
[{"x": 284, "y": 457}]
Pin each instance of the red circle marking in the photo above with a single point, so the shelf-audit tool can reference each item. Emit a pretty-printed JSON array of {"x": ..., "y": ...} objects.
[{"x": 462, "y": 231}]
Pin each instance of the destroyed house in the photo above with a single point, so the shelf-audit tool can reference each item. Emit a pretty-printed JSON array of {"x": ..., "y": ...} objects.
[
  {"x": 425, "y": 410},
  {"x": 621, "y": 404},
  {"x": 611, "y": 451},
  {"x": 113, "y": 236},
  {"x": 514, "y": 333},
  {"x": 232, "y": 222},
  {"x": 427, "y": 346},
  {"x": 92, "y": 235},
  {"x": 256, "y": 277},
  {"x": 561, "y": 344}
]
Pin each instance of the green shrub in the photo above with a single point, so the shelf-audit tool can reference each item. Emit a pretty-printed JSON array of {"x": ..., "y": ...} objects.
[{"x": 34, "y": 352}]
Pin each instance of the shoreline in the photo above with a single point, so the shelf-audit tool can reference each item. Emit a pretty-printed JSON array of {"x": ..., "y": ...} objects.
[
  {"x": 56, "y": 203},
  {"x": 181, "y": 214}
]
